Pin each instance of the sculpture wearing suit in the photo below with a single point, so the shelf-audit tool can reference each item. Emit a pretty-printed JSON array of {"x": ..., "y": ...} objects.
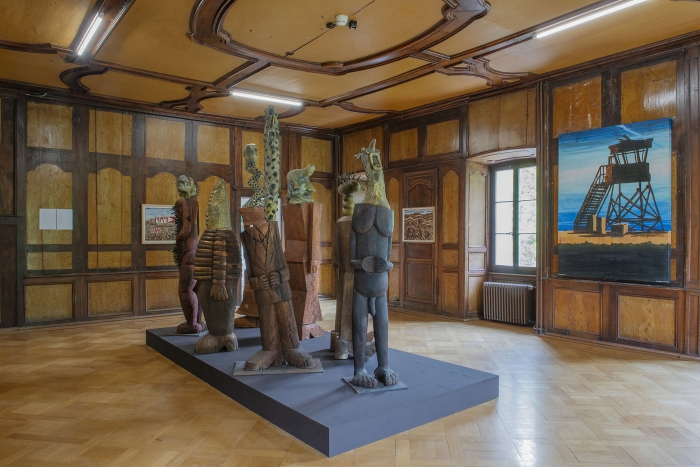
[
  {"x": 218, "y": 270},
  {"x": 302, "y": 219},
  {"x": 370, "y": 250}
]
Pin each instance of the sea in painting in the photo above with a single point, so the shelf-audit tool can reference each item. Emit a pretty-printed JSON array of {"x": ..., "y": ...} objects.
[{"x": 614, "y": 202}]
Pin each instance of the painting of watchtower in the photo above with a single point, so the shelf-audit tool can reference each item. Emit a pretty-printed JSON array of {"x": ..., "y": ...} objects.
[{"x": 614, "y": 204}]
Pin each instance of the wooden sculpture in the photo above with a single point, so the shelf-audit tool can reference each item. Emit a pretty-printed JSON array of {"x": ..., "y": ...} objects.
[
  {"x": 370, "y": 250},
  {"x": 341, "y": 337},
  {"x": 249, "y": 309},
  {"x": 268, "y": 276},
  {"x": 302, "y": 219},
  {"x": 186, "y": 212},
  {"x": 271, "y": 139},
  {"x": 218, "y": 270}
]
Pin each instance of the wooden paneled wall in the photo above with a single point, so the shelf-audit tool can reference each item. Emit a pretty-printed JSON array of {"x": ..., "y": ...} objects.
[
  {"x": 663, "y": 317},
  {"x": 502, "y": 122},
  {"x": 104, "y": 164}
]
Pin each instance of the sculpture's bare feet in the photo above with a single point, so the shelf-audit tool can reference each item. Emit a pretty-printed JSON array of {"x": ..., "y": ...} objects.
[
  {"x": 230, "y": 342},
  {"x": 387, "y": 376},
  {"x": 263, "y": 359},
  {"x": 298, "y": 358},
  {"x": 187, "y": 328},
  {"x": 364, "y": 380}
]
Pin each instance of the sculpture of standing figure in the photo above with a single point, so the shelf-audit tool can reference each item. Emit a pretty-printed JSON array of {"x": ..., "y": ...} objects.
[
  {"x": 186, "y": 210},
  {"x": 248, "y": 308},
  {"x": 271, "y": 139},
  {"x": 302, "y": 237},
  {"x": 268, "y": 276},
  {"x": 218, "y": 270},
  {"x": 370, "y": 252}
]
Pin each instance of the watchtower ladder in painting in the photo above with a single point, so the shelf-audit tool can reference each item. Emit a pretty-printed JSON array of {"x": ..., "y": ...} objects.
[{"x": 627, "y": 164}]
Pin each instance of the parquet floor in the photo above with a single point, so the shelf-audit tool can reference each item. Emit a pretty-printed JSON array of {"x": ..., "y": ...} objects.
[{"x": 96, "y": 395}]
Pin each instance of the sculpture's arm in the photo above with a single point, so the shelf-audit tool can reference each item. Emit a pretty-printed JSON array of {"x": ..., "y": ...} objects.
[
  {"x": 218, "y": 287},
  {"x": 354, "y": 261},
  {"x": 389, "y": 264}
]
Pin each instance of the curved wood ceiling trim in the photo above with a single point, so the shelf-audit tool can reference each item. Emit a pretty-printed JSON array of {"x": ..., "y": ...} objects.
[
  {"x": 72, "y": 77},
  {"x": 479, "y": 67},
  {"x": 353, "y": 108},
  {"x": 206, "y": 28}
]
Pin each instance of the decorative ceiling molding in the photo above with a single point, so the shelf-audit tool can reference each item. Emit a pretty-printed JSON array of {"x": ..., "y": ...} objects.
[
  {"x": 207, "y": 19},
  {"x": 72, "y": 77},
  {"x": 480, "y": 68},
  {"x": 353, "y": 108}
]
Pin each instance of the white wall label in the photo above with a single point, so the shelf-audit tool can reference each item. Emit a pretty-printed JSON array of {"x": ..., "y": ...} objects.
[
  {"x": 47, "y": 219},
  {"x": 55, "y": 219}
]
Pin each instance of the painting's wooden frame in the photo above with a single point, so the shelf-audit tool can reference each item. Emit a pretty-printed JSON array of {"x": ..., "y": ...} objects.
[
  {"x": 144, "y": 207},
  {"x": 403, "y": 224}
]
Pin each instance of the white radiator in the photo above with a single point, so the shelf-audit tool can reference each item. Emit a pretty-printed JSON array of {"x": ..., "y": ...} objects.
[{"x": 510, "y": 303}]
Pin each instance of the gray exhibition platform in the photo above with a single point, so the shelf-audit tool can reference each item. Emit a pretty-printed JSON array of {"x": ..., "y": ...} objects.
[{"x": 320, "y": 409}]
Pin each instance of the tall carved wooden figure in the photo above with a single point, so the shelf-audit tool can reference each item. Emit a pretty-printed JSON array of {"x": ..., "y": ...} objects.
[
  {"x": 302, "y": 220},
  {"x": 248, "y": 308},
  {"x": 218, "y": 270},
  {"x": 268, "y": 276},
  {"x": 341, "y": 337},
  {"x": 186, "y": 212},
  {"x": 370, "y": 250}
]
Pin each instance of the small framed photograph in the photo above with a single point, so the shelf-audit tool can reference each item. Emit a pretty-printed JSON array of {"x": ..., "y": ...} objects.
[
  {"x": 418, "y": 225},
  {"x": 157, "y": 224}
]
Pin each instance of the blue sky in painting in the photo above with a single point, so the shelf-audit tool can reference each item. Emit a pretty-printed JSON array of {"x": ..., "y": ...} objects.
[
  {"x": 158, "y": 212},
  {"x": 581, "y": 153}
]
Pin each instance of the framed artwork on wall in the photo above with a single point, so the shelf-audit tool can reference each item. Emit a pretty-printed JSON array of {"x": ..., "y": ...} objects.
[
  {"x": 614, "y": 205},
  {"x": 418, "y": 225},
  {"x": 157, "y": 224}
]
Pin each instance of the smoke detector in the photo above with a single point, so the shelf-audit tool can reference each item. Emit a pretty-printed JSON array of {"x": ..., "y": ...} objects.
[{"x": 341, "y": 20}]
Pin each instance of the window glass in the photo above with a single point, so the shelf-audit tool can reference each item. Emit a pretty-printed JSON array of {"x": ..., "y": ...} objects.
[
  {"x": 504, "y": 185},
  {"x": 504, "y": 218},
  {"x": 504, "y": 250}
]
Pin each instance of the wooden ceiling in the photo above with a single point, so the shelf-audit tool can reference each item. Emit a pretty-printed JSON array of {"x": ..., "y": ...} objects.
[{"x": 188, "y": 55}]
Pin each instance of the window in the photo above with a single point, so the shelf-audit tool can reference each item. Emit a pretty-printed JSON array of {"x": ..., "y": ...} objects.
[{"x": 514, "y": 217}]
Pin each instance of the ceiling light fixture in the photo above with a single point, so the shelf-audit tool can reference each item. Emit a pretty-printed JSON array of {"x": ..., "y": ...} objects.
[
  {"x": 263, "y": 97},
  {"x": 91, "y": 32},
  {"x": 586, "y": 17}
]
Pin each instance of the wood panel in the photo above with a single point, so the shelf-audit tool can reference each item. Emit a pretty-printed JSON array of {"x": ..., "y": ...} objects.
[
  {"x": 318, "y": 152},
  {"x": 49, "y": 261},
  {"x": 323, "y": 196},
  {"x": 213, "y": 144},
  {"x": 475, "y": 298},
  {"x": 48, "y": 302},
  {"x": 450, "y": 207},
  {"x": 404, "y": 145},
  {"x": 477, "y": 261},
  {"x": 109, "y": 259},
  {"x": 8, "y": 276},
  {"x": 394, "y": 197},
  {"x": 483, "y": 125},
  {"x": 420, "y": 280},
  {"x": 577, "y": 106},
  {"x": 647, "y": 319},
  {"x": 110, "y": 132},
  {"x": 326, "y": 279},
  {"x": 577, "y": 310},
  {"x": 353, "y": 144},
  {"x": 109, "y": 208},
  {"x": 49, "y": 126},
  {"x": 476, "y": 209},
  {"x": 256, "y": 138},
  {"x": 513, "y": 120},
  {"x": 159, "y": 258},
  {"x": 161, "y": 189},
  {"x": 165, "y": 139},
  {"x": 450, "y": 258},
  {"x": 327, "y": 252},
  {"x": 110, "y": 298},
  {"x": 48, "y": 187},
  {"x": 161, "y": 294},
  {"x": 531, "y": 118},
  {"x": 450, "y": 292},
  {"x": 394, "y": 292},
  {"x": 7, "y": 156},
  {"x": 442, "y": 138},
  {"x": 649, "y": 92},
  {"x": 205, "y": 188}
]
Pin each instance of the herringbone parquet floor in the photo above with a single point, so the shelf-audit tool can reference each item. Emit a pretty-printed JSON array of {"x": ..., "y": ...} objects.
[{"x": 96, "y": 395}]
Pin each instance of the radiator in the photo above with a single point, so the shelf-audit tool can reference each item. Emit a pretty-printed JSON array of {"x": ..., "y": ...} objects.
[{"x": 510, "y": 303}]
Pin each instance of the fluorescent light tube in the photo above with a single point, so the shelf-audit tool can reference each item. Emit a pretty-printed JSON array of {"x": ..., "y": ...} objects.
[
  {"x": 586, "y": 18},
  {"x": 263, "y": 97},
  {"x": 91, "y": 32}
]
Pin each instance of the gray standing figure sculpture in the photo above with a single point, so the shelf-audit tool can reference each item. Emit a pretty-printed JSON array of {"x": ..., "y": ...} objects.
[{"x": 370, "y": 250}]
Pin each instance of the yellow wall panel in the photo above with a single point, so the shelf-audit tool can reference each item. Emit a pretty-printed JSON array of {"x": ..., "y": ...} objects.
[
  {"x": 577, "y": 310},
  {"x": 318, "y": 152},
  {"x": 110, "y": 132},
  {"x": 109, "y": 259},
  {"x": 161, "y": 189},
  {"x": 450, "y": 292},
  {"x": 110, "y": 298},
  {"x": 450, "y": 207},
  {"x": 49, "y": 126},
  {"x": 394, "y": 197},
  {"x": 109, "y": 208},
  {"x": 354, "y": 142},
  {"x": 48, "y": 187},
  {"x": 165, "y": 139},
  {"x": 577, "y": 106},
  {"x": 213, "y": 144},
  {"x": 48, "y": 302},
  {"x": 160, "y": 258},
  {"x": 404, "y": 145},
  {"x": 161, "y": 294},
  {"x": 649, "y": 93},
  {"x": 647, "y": 319},
  {"x": 443, "y": 138},
  {"x": 323, "y": 196}
]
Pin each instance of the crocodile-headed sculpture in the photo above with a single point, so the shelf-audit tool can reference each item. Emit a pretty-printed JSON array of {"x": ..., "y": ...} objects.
[
  {"x": 259, "y": 196},
  {"x": 218, "y": 270},
  {"x": 370, "y": 250},
  {"x": 271, "y": 139}
]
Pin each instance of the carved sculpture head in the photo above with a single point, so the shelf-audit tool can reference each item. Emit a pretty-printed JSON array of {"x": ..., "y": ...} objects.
[
  {"x": 251, "y": 154},
  {"x": 372, "y": 161},
  {"x": 348, "y": 183},
  {"x": 186, "y": 187},
  {"x": 299, "y": 187},
  {"x": 218, "y": 214}
]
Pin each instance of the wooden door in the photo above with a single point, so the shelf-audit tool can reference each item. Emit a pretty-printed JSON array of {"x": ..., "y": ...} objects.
[{"x": 420, "y": 258}]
